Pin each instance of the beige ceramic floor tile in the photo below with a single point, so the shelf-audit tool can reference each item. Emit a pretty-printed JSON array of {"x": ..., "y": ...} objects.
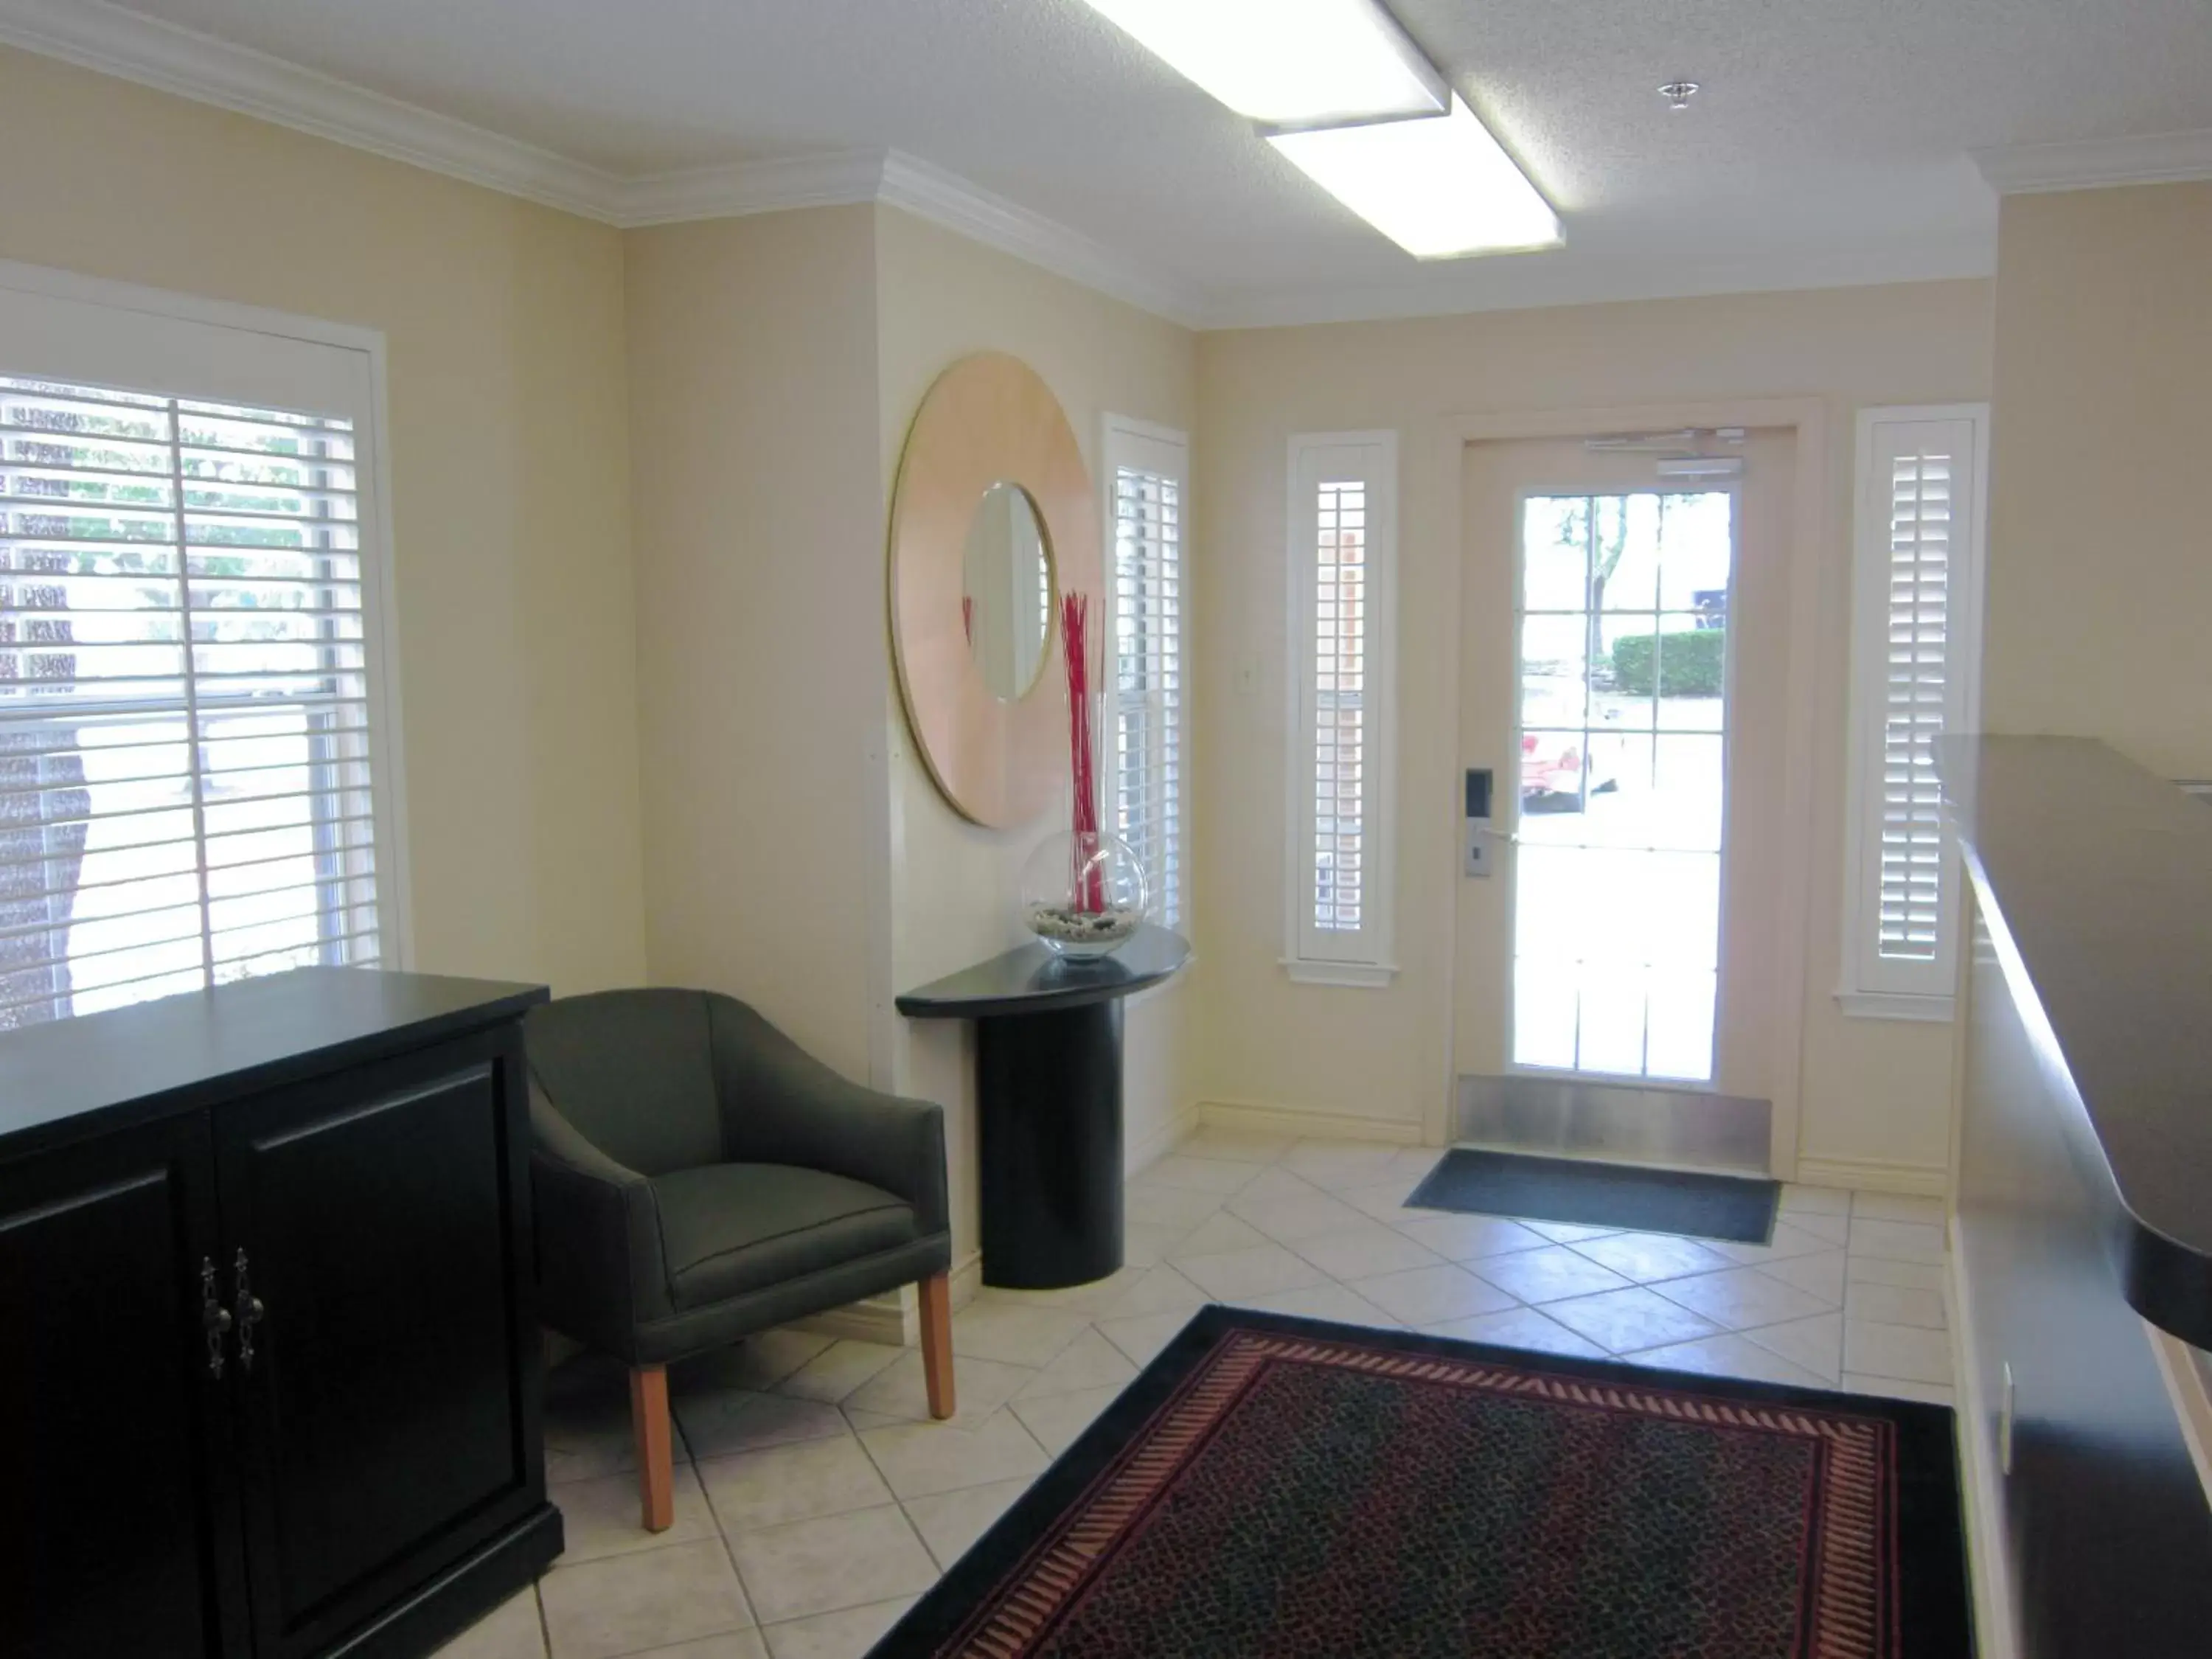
[
  {"x": 1385, "y": 1200},
  {"x": 1829, "y": 1228},
  {"x": 1332, "y": 1165},
  {"x": 1056, "y": 1420},
  {"x": 1364, "y": 1251},
  {"x": 1819, "y": 1276},
  {"x": 1141, "y": 1338},
  {"x": 1430, "y": 1295},
  {"x": 1815, "y": 1345},
  {"x": 1014, "y": 1335},
  {"x": 715, "y": 1424},
  {"x": 1288, "y": 1208},
  {"x": 1898, "y": 1387},
  {"x": 1519, "y": 1328},
  {"x": 1906, "y": 1351},
  {"x": 1564, "y": 1232},
  {"x": 735, "y": 1645},
  {"x": 838, "y": 1369},
  {"x": 1644, "y": 1257},
  {"x": 604, "y": 1517},
  {"x": 1144, "y": 1244},
  {"x": 513, "y": 1630},
  {"x": 980, "y": 1387},
  {"x": 1197, "y": 1174},
  {"x": 1168, "y": 1206},
  {"x": 1467, "y": 1238},
  {"x": 629, "y": 1603},
  {"x": 838, "y": 1561},
  {"x": 1727, "y": 1356},
  {"x": 1900, "y": 1241},
  {"x": 952, "y": 1521},
  {"x": 1897, "y": 1304},
  {"x": 919, "y": 1460},
  {"x": 1089, "y": 1362},
  {"x": 1161, "y": 1289},
  {"x": 1879, "y": 1270},
  {"x": 1620, "y": 1322},
  {"x": 1741, "y": 1297},
  {"x": 1236, "y": 1274},
  {"x": 1789, "y": 1239},
  {"x": 1213, "y": 1236},
  {"x": 1330, "y": 1301},
  {"x": 782, "y": 1483},
  {"x": 1895, "y": 1206},
  {"x": 848, "y": 1633},
  {"x": 1551, "y": 1274}
]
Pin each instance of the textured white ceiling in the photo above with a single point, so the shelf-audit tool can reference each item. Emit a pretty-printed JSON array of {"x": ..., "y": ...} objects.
[{"x": 1829, "y": 144}]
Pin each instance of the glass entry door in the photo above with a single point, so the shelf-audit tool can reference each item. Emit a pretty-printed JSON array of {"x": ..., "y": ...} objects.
[{"x": 1623, "y": 720}]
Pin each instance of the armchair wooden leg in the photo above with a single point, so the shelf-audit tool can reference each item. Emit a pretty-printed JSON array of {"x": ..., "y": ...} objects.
[
  {"x": 936, "y": 1342},
  {"x": 656, "y": 1473}
]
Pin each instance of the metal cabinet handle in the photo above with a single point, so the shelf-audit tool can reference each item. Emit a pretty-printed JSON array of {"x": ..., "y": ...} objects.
[
  {"x": 251, "y": 1312},
  {"x": 214, "y": 1318}
]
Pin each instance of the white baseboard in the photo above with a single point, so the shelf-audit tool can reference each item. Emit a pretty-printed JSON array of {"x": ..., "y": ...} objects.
[
  {"x": 1982, "y": 1500},
  {"x": 894, "y": 1317},
  {"x": 1142, "y": 1154},
  {"x": 1248, "y": 1117},
  {"x": 1874, "y": 1175}
]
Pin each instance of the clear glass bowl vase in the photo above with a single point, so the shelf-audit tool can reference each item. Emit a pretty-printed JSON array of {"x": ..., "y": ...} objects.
[{"x": 1084, "y": 895}]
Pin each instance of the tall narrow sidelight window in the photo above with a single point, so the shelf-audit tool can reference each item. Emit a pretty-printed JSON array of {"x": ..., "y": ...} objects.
[
  {"x": 192, "y": 788},
  {"x": 1147, "y": 510},
  {"x": 1343, "y": 566},
  {"x": 1916, "y": 672}
]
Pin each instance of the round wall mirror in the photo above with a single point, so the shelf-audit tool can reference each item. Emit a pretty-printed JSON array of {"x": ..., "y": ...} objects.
[{"x": 1005, "y": 597}]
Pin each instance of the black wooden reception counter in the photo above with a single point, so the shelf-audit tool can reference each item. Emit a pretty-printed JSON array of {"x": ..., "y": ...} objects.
[
  {"x": 2085, "y": 1190},
  {"x": 271, "y": 1377},
  {"x": 1049, "y": 1095}
]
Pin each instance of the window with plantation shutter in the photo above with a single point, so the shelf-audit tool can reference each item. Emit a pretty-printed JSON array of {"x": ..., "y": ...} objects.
[
  {"x": 1916, "y": 672},
  {"x": 189, "y": 773},
  {"x": 1343, "y": 514},
  {"x": 1149, "y": 469}
]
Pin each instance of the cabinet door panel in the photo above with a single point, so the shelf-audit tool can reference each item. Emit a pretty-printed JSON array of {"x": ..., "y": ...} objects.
[
  {"x": 388, "y": 1419},
  {"x": 117, "y": 1496}
]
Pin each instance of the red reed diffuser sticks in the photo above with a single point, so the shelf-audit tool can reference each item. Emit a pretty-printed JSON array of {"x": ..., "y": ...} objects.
[{"x": 1086, "y": 879}]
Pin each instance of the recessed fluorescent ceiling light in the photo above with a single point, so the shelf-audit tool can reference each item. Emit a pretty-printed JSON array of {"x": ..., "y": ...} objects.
[
  {"x": 1440, "y": 188},
  {"x": 1289, "y": 63}
]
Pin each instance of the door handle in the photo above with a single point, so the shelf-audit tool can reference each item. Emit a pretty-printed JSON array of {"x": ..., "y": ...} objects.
[
  {"x": 251, "y": 1312},
  {"x": 214, "y": 1318}
]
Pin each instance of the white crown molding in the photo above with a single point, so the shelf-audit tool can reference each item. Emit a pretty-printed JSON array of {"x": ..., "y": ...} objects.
[
  {"x": 96, "y": 35},
  {"x": 946, "y": 198},
  {"x": 736, "y": 189},
  {"x": 2161, "y": 158}
]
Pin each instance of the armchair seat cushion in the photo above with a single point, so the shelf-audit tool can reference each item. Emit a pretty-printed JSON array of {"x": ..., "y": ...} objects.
[{"x": 726, "y": 1228}]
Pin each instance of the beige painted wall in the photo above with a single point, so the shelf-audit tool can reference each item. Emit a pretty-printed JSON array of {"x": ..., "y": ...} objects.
[
  {"x": 764, "y": 673},
  {"x": 2100, "y": 551},
  {"x": 509, "y": 454},
  {"x": 954, "y": 884},
  {"x": 1871, "y": 1090}
]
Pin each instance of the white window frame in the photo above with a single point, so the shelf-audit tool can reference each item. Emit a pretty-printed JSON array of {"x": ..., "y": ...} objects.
[
  {"x": 1365, "y": 957},
  {"x": 1871, "y": 987},
  {"x": 75, "y": 328},
  {"x": 1162, "y": 450}
]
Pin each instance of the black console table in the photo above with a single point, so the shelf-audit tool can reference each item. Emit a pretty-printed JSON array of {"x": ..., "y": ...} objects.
[
  {"x": 1049, "y": 1094},
  {"x": 272, "y": 1384}
]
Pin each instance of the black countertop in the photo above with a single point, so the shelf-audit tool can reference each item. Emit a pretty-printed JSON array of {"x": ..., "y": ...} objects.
[
  {"x": 2095, "y": 878},
  {"x": 1032, "y": 980},
  {"x": 173, "y": 1054}
]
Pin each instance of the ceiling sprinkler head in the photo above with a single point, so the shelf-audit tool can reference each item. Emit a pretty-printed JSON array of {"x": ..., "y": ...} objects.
[{"x": 1678, "y": 95}]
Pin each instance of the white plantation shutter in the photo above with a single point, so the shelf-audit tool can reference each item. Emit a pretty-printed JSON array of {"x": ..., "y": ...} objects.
[
  {"x": 1343, "y": 551},
  {"x": 186, "y": 707},
  {"x": 1919, "y": 554},
  {"x": 1149, "y": 468}
]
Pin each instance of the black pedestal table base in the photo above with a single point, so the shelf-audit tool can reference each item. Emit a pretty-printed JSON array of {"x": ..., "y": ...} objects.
[{"x": 1048, "y": 1095}]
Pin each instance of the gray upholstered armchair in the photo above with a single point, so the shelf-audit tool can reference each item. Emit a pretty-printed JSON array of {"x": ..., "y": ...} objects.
[{"x": 697, "y": 1178}]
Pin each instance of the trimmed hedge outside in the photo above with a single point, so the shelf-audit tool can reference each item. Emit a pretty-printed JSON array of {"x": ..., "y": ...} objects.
[{"x": 1694, "y": 663}]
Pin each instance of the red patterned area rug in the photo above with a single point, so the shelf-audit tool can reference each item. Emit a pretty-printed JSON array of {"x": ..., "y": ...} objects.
[{"x": 1275, "y": 1488}]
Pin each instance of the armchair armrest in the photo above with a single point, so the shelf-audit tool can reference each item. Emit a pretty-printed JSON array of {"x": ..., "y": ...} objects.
[
  {"x": 780, "y": 1105},
  {"x": 600, "y": 1265}
]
